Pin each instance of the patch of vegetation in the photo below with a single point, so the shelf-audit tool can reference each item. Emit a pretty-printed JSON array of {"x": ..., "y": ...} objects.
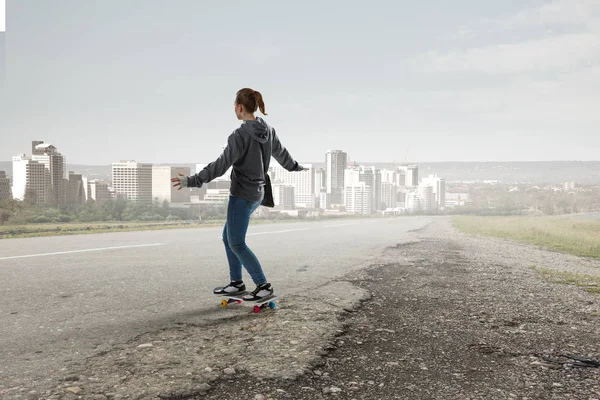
[
  {"x": 590, "y": 283},
  {"x": 577, "y": 237}
]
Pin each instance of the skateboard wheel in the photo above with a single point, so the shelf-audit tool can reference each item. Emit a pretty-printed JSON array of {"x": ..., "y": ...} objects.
[
  {"x": 239, "y": 301},
  {"x": 256, "y": 309},
  {"x": 272, "y": 305},
  {"x": 224, "y": 303}
]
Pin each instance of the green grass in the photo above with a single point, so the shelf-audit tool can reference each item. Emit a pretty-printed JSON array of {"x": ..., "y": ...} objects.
[
  {"x": 578, "y": 237},
  {"x": 58, "y": 229},
  {"x": 590, "y": 283}
]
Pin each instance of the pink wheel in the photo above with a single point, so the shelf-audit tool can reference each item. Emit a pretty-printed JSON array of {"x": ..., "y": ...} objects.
[
  {"x": 256, "y": 309},
  {"x": 239, "y": 301}
]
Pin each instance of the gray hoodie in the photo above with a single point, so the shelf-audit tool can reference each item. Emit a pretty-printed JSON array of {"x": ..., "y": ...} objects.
[{"x": 243, "y": 151}]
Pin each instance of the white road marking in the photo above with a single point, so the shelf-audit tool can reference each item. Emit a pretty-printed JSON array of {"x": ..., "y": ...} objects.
[
  {"x": 270, "y": 232},
  {"x": 333, "y": 226},
  {"x": 82, "y": 251},
  {"x": 288, "y": 230}
]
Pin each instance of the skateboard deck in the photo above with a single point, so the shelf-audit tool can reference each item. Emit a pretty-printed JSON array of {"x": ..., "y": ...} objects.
[{"x": 258, "y": 306}]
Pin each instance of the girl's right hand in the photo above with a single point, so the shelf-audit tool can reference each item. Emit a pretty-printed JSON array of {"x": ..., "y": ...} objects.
[{"x": 177, "y": 181}]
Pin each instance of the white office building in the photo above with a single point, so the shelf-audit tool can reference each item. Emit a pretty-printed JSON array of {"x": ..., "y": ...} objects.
[
  {"x": 438, "y": 186},
  {"x": 216, "y": 196},
  {"x": 371, "y": 177},
  {"x": 133, "y": 181},
  {"x": 163, "y": 189},
  {"x": 413, "y": 202},
  {"x": 389, "y": 176},
  {"x": 389, "y": 195},
  {"x": 427, "y": 199},
  {"x": 302, "y": 181},
  {"x": 352, "y": 175},
  {"x": 320, "y": 184},
  {"x": 30, "y": 180},
  {"x": 324, "y": 201},
  {"x": 358, "y": 198}
]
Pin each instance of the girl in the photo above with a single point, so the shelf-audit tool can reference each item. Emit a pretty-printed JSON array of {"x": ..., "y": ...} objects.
[{"x": 249, "y": 150}]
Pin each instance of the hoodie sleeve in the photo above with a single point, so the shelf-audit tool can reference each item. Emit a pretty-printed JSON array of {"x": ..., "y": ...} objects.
[
  {"x": 215, "y": 169},
  {"x": 282, "y": 156}
]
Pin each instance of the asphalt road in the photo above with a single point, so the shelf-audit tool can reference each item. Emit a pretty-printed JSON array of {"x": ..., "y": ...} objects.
[{"x": 65, "y": 298}]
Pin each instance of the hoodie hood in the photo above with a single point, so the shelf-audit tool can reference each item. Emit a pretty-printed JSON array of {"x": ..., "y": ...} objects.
[{"x": 258, "y": 129}]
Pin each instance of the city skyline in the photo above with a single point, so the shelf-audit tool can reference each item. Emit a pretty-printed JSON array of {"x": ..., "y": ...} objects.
[
  {"x": 478, "y": 81},
  {"x": 43, "y": 178}
]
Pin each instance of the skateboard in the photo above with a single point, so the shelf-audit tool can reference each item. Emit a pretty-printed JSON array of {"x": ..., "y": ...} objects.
[{"x": 258, "y": 306}]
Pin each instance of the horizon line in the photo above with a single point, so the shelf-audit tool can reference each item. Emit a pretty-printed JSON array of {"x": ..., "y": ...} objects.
[{"x": 358, "y": 162}]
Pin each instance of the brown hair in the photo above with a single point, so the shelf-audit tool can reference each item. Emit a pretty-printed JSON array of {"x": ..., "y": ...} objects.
[{"x": 251, "y": 100}]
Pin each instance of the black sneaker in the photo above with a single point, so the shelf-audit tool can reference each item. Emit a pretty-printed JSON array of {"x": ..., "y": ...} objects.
[
  {"x": 261, "y": 292},
  {"x": 234, "y": 287}
]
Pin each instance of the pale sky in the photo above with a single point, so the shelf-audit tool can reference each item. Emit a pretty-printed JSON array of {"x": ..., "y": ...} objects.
[{"x": 154, "y": 81}]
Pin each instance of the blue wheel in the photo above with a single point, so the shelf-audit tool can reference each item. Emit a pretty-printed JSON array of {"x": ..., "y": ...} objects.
[{"x": 272, "y": 305}]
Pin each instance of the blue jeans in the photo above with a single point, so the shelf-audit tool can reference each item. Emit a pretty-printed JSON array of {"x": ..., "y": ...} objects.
[{"x": 234, "y": 238}]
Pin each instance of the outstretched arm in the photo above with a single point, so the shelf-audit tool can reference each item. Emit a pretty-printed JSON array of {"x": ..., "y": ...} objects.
[
  {"x": 283, "y": 157},
  {"x": 215, "y": 169}
]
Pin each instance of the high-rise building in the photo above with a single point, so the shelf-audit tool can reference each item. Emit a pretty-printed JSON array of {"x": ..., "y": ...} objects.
[
  {"x": 413, "y": 202},
  {"x": 389, "y": 176},
  {"x": 401, "y": 176},
  {"x": 370, "y": 176},
  {"x": 324, "y": 201},
  {"x": 162, "y": 187},
  {"x": 388, "y": 195},
  {"x": 30, "y": 180},
  {"x": 320, "y": 184},
  {"x": 75, "y": 189},
  {"x": 412, "y": 176},
  {"x": 440, "y": 192},
  {"x": 427, "y": 199},
  {"x": 335, "y": 165},
  {"x": 352, "y": 175},
  {"x": 401, "y": 197},
  {"x": 97, "y": 191},
  {"x": 358, "y": 198},
  {"x": 133, "y": 181},
  {"x": 284, "y": 196},
  {"x": 56, "y": 167},
  {"x": 302, "y": 181},
  {"x": 5, "y": 190},
  {"x": 439, "y": 189}
]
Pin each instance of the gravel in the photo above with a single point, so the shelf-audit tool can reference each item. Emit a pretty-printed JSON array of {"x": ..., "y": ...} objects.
[{"x": 456, "y": 316}]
